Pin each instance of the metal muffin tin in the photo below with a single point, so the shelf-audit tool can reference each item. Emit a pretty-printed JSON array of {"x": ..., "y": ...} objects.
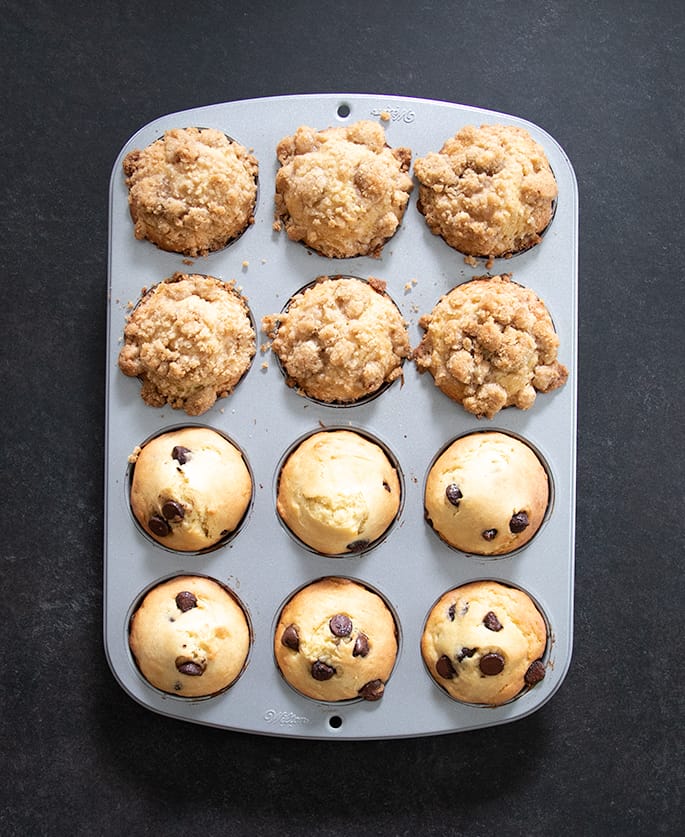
[{"x": 411, "y": 567}]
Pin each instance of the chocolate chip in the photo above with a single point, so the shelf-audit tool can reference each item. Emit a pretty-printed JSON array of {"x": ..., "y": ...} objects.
[
  {"x": 453, "y": 494},
  {"x": 466, "y": 652},
  {"x": 290, "y": 638},
  {"x": 491, "y": 622},
  {"x": 373, "y": 690},
  {"x": 185, "y": 600},
  {"x": 491, "y": 664},
  {"x": 322, "y": 671},
  {"x": 190, "y": 668},
  {"x": 445, "y": 668},
  {"x": 536, "y": 673},
  {"x": 340, "y": 625},
  {"x": 452, "y": 611},
  {"x": 361, "y": 646},
  {"x": 387, "y": 487},
  {"x": 490, "y": 534},
  {"x": 358, "y": 546},
  {"x": 180, "y": 454},
  {"x": 518, "y": 522},
  {"x": 159, "y": 526},
  {"x": 173, "y": 510}
]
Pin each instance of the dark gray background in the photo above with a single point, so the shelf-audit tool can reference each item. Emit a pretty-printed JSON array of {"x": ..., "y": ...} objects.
[{"x": 605, "y": 755}]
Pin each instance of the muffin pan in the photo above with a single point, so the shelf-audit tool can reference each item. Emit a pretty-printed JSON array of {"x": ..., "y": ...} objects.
[{"x": 410, "y": 567}]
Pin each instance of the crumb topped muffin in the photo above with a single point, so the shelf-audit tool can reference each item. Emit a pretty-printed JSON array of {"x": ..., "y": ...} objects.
[
  {"x": 190, "y": 488},
  {"x": 336, "y": 640},
  {"x": 338, "y": 492},
  {"x": 189, "y": 340},
  {"x": 484, "y": 642},
  {"x": 487, "y": 494},
  {"x": 341, "y": 191},
  {"x": 490, "y": 343},
  {"x": 192, "y": 191},
  {"x": 340, "y": 340},
  {"x": 190, "y": 637},
  {"x": 489, "y": 191}
]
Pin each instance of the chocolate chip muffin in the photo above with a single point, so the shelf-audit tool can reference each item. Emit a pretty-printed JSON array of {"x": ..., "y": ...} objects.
[
  {"x": 190, "y": 488},
  {"x": 191, "y": 191},
  {"x": 189, "y": 340},
  {"x": 341, "y": 191},
  {"x": 340, "y": 340},
  {"x": 484, "y": 643},
  {"x": 336, "y": 640},
  {"x": 487, "y": 494},
  {"x": 190, "y": 637},
  {"x": 338, "y": 492},
  {"x": 488, "y": 192},
  {"x": 490, "y": 343}
]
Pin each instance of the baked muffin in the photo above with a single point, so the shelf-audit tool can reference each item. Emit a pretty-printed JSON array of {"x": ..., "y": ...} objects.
[
  {"x": 487, "y": 494},
  {"x": 484, "y": 642},
  {"x": 191, "y": 191},
  {"x": 490, "y": 343},
  {"x": 190, "y": 488},
  {"x": 341, "y": 191},
  {"x": 189, "y": 340},
  {"x": 336, "y": 640},
  {"x": 338, "y": 492},
  {"x": 488, "y": 192},
  {"x": 340, "y": 340},
  {"x": 190, "y": 637}
]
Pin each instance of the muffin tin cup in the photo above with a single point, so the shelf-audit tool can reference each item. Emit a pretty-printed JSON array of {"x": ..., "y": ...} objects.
[
  {"x": 550, "y": 502},
  {"x": 364, "y": 399},
  {"x": 233, "y": 141},
  {"x": 339, "y": 705},
  {"x": 159, "y": 543},
  {"x": 139, "y": 601},
  {"x": 545, "y": 658},
  {"x": 147, "y": 294},
  {"x": 391, "y": 458},
  {"x": 263, "y": 564}
]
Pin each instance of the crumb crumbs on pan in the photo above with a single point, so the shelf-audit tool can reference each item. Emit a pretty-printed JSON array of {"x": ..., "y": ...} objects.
[
  {"x": 133, "y": 456},
  {"x": 472, "y": 261}
]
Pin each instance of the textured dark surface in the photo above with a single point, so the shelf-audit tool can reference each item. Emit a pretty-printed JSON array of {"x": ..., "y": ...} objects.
[{"x": 605, "y": 756}]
